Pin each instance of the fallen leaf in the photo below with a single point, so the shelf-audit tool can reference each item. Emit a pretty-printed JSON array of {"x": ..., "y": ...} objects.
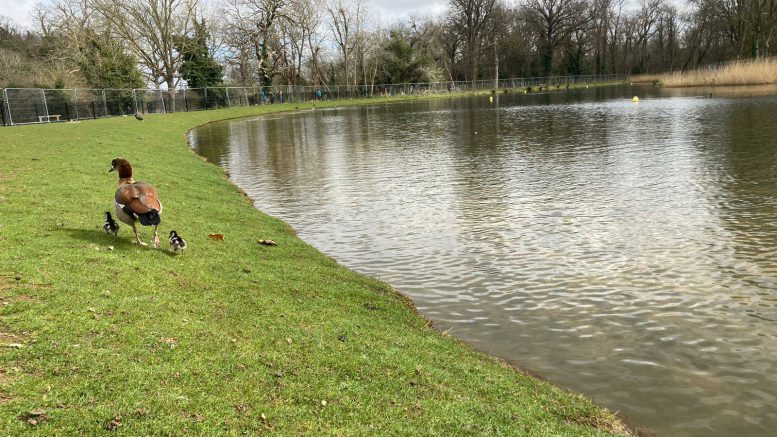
[
  {"x": 34, "y": 417},
  {"x": 114, "y": 424},
  {"x": 169, "y": 341},
  {"x": 323, "y": 403},
  {"x": 217, "y": 237},
  {"x": 15, "y": 345}
]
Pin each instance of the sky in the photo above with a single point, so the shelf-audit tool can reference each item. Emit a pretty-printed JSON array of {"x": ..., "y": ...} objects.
[
  {"x": 18, "y": 11},
  {"x": 387, "y": 11}
]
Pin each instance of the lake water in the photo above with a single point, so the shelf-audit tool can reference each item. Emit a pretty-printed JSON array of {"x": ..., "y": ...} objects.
[{"x": 625, "y": 251}]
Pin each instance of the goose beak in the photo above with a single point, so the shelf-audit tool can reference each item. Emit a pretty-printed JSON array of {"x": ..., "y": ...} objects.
[{"x": 110, "y": 170}]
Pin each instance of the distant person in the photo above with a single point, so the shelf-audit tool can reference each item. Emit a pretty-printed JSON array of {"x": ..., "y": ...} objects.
[
  {"x": 318, "y": 94},
  {"x": 280, "y": 96},
  {"x": 450, "y": 87}
]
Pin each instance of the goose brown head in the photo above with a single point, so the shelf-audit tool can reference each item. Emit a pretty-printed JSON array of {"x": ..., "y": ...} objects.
[{"x": 123, "y": 167}]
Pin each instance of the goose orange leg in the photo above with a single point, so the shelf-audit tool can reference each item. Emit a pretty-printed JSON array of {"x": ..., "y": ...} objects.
[{"x": 137, "y": 237}]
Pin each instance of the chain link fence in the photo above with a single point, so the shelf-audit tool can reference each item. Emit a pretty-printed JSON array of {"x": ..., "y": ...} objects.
[{"x": 35, "y": 105}]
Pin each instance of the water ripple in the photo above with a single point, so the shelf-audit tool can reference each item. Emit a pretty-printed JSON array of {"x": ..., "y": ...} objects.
[{"x": 621, "y": 250}]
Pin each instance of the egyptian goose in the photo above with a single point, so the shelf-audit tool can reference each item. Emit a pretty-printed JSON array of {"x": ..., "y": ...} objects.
[{"x": 136, "y": 201}]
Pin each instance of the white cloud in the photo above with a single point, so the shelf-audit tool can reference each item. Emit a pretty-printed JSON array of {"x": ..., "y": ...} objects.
[
  {"x": 392, "y": 10},
  {"x": 388, "y": 11},
  {"x": 19, "y": 11}
]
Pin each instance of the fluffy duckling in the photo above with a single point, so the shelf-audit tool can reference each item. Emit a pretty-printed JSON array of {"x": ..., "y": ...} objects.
[
  {"x": 136, "y": 201},
  {"x": 176, "y": 242},
  {"x": 110, "y": 226}
]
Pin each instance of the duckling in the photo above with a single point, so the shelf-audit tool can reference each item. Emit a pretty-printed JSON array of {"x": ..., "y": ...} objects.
[
  {"x": 110, "y": 226},
  {"x": 136, "y": 201},
  {"x": 176, "y": 242}
]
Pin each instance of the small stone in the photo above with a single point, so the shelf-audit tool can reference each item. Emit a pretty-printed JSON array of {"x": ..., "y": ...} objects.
[
  {"x": 288, "y": 340},
  {"x": 323, "y": 403},
  {"x": 18, "y": 278},
  {"x": 110, "y": 247},
  {"x": 263, "y": 417}
]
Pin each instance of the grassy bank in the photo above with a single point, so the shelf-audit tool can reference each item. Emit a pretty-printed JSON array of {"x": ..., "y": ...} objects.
[
  {"x": 756, "y": 72},
  {"x": 100, "y": 335}
]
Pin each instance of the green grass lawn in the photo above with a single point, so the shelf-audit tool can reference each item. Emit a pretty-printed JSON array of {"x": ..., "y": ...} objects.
[{"x": 99, "y": 335}]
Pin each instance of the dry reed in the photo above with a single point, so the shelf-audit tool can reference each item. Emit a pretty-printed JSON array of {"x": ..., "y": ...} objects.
[{"x": 755, "y": 72}]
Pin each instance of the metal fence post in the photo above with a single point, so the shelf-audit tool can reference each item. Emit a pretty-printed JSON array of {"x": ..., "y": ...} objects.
[
  {"x": 8, "y": 105},
  {"x": 75, "y": 101},
  {"x": 46, "y": 106},
  {"x": 226, "y": 91},
  {"x": 206, "y": 98},
  {"x": 245, "y": 91},
  {"x": 162, "y": 97},
  {"x": 2, "y": 109},
  {"x": 105, "y": 104},
  {"x": 135, "y": 99}
]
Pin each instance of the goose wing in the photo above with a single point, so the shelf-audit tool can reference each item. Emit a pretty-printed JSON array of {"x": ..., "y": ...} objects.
[{"x": 140, "y": 197}]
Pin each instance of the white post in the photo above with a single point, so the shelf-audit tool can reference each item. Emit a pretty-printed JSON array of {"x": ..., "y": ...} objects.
[
  {"x": 46, "y": 106},
  {"x": 162, "y": 97},
  {"x": 75, "y": 101},
  {"x": 8, "y": 105},
  {"x": 135, "y": 99},
  {"x": 105, "y": 104},
  {"x": 245, "y": 91},
  {"x": 496, "y": 66},
  {"x": 226, "y": 90}
]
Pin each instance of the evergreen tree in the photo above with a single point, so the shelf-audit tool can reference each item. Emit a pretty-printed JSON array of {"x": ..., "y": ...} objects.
[
  {"x": 105, "y": 64},
  {"x": 198, "y": 68},
  {"x": 403, "y": 63}
]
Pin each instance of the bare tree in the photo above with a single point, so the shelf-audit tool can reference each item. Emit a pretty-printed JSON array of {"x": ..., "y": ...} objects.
[
  {"x": 150, "y": 29},
  {"x": 258, "y": 24},
  {"x": 470, "y": 18},
  {"x": 347, "y": 18},
  {"x": 554, "y": 21}
]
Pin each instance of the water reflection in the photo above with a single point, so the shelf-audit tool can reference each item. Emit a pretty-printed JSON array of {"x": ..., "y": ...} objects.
[{"x": 621, "y": 250}]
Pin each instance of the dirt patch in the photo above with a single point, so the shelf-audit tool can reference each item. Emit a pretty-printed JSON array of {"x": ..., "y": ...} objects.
[
  {"x": 7, "y": 337},
  {"x": 5, "y": 379}
]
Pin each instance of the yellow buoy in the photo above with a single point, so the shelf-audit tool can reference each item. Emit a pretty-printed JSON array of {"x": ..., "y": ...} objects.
[{"x": 635, "y": 99}]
